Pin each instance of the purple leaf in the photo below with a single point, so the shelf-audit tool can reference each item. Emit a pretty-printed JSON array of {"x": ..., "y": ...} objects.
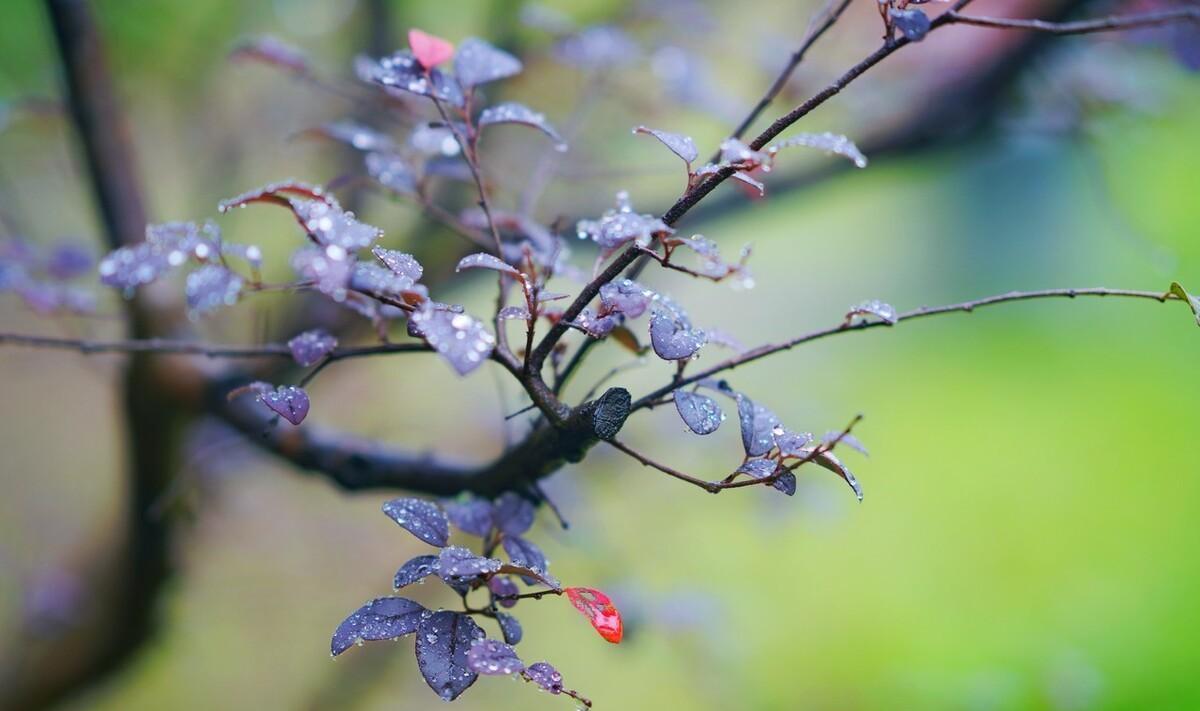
[
  {"x": 672, "y": 335},
  {"x": 700, "y": 413},
  {"x": 311, "y": 347},
  {"x": 599, "y": 47},
  {"x": 510, "y": 313},
  {"x": 833, "y": 464},
  {"x": 848, "y": 440},
  {"x": 464, "y": 342},
  {"x": 757, "y": 424},
  {"x": 443, "y": 640},
  {"x": 545, "y": 676},
  {"x": 67, "y": 261},
  {"x": 502, "y": 587},
  {"x": 786, "y": 483},
  {"x": 328, "y": 268},
  {"x": 380, "y": 281},
  {"x": 473, "y": 516},
  {"x": 626, "y": 297},
  {"x": 402, "y": 71},
  {"x": 483, "y": 260},
  {"x": 758, "y": 468},
  {"x": 456, "y": 562},
  {"x": 513, "y": 514},
  {"x": 420, "y": 518},
  {"x": 621, "y": 225},
  {"x": 791, "y": 444},
  {"x": 415, "y": 571},
  {"x": 355, "y": 135},
  {"x": 477, "y": 62},
  {"x": 510, "y": 628},
  {"x": 382, "y": 618},
  {"x": 829, "y": 142},
  {"x": 287, "y": 401},
  {"x": 130, "y": 267},
  {"x": 488, "y": 656},
  {"x": 401, "y": 264},
  {"x": 391, "y": 171},
  {"x": 524, "y": 553},
  {"x": 886, "y": 312},
  {"x": 331, "y": 226},
  {"x": 210, "y": 287},
  {"x": 679, "y": 144},
  {"x": 911, "y": 22},
  {"x": 512, "y": 112}
]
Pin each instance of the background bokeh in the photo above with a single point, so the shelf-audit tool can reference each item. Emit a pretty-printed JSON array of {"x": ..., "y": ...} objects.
[{"x": 1028, "y": 537}]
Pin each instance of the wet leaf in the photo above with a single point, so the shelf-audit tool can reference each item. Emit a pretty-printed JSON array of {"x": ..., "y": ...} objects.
[
  {"x": 210, "y": 287},
  {"x": 792, "y": 444},
  {"x": 456, "y": 562},
  {"x": 510, "y": 628},
  {"x": 757, "y": 424},
  {"x": 331, "y": 226},
  {"x": 672, "y": 335},
  {"x": 493, "y": 658},
  {"x": 310, "y": 347},
  {"x": 911, "y": 22},
  {"x": 382, "y": 618},
  {"x": 786, "y": 483},
  {"x": 679, "y": 144},
  {"x": 847, "y": 440},
  {"x": 473, "y": 516},
  {"x": 758, "y": 468},
  {"x": 421, "y": 518},
  {"x": 415, "y": 570},
  {"x": 622, "y": 225},
  {"x": 287, "y": 401},
  {"x": 503, "y": 587},
  {"x": 513, "y": 112},
  {"x": 430, "y": 50},
  {"x": 522, "y": 552},
  {"x": 329, "y": 269},
  {"x": 1192, "y": 302},
  {"x": 700, "y": 413},
  {"x": 884, "y": 311},
  {"x": 464, "y": 342},
  {"x": 833, "y": 464},
  {"x": 627, "y": 297},
  {"x": 478, "y": 62},
  {"x": 392, "y": 171},
  {"x": 403, "y": 71},
  {"x": 401, "y": 264},
  {"x": 598, "y": 608},
  {"x": 829, "y": 142},
  {"x": 513, "y": 514},
  {"x": 511, "y": 313},
  {"x": 745, "y": 178},
  {"x": 545, "y": 676},
  {"x": 443, "y": 641},
  {"x": 483, "y": 260}
]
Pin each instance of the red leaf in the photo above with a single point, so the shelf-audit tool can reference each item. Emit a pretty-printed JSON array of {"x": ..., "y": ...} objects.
[
  {"x": 430, "y": 50},
  {"x": 598, "y": 608}
]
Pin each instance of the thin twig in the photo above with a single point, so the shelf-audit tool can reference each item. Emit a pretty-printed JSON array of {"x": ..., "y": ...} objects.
[
  {"x": 165, "y": 346},
  {"x": 1079, "y": 27},
  {"x": 844, "y": 327},
  {"x": 708, "y": 486}
]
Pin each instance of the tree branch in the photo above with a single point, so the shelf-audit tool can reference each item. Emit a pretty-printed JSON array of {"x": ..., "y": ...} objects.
[
  {"x": 847, "y": 327},
  {"x": 1080, "y": 27}
]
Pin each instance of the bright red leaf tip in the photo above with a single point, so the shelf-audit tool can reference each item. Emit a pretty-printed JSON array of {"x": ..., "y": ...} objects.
[
  {"x": 430, "y": 50},
  {"x": 598, "y": 608}
]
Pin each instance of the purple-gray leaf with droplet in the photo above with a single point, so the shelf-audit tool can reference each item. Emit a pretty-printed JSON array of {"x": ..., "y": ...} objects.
[
  {"x": 545, "y": 676},
  {"x": 401, "y": 263},
  {"x": 443, "y": 641},
  {"x": 310, "y": 347},
  {"x": 883, "y": 310},
  {"x": 503, "y": 587},
  {"x": 672, "y": 335},
  {"x": 700, "y": 413},
  {"x": 513, "y": 112},
  {"x": 287, "y": 401},
  {"x": 829, "y": 142},
  {"x": 456, "y": 562},
  {"x": 679, "y": 144},
  {"x": 526, "y": 554},
  {"x": 494, "y": 658},
  {"x": 415, "y": 570},
  {"x": 627, "y": 297},
  {"x": 210, "y": 287},
  {"x": 382, "y": 618},
  {"x": 473, "y": 516},
  {"x": 757, "y": 423},
  {"x": 478, "y": 62},
  {"x": 464, "y": 342},
  {"x": 510, "y": 627},
  {"x": 483, "y": 260},
  {"x": 912, "y": 23},
  {"x": 513, "y": 513},
  {"x": 421, "y": 518}
]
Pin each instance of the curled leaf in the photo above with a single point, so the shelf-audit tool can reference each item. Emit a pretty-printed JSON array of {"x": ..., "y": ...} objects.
[
  {"x": 1192, "y": 302},
  {"x": 829, "y": 142},
  {"x": 415, "y": 570},
  {"x": 483, "y": 260},
  {"x": 513, "y": 112},
  {"x": 884, "y": 311},
  {"x": 679, "y": 144}
]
